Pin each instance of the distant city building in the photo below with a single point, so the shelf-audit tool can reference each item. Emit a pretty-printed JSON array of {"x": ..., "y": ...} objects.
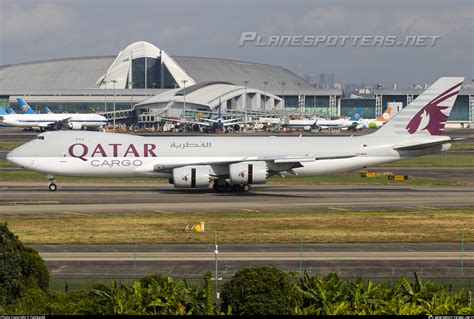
[
  {"x": 311, "y": 78},
  {"x": 326, "y": 80}
]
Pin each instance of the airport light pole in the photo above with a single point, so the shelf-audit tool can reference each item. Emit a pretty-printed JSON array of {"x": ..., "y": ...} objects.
[
  {"x": 301, "y": 255},
  {"x": 105, "y": 96},
  {"x": 184, "y": 98},
  {"x": 314, "y": 98},
  {"x": 216, "y": 252},
  {"x": 245, "y": 104},
  {"x": 131, "y": 84},
  {"x": 283, "y": 95},
  {"x": 114, "y": 81},
  {"x": 265, "y": 97},
  {"x": 298, "y": 98}
]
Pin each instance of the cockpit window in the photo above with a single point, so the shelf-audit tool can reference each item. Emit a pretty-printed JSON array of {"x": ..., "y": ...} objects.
[{"x": 40, "y": 137}]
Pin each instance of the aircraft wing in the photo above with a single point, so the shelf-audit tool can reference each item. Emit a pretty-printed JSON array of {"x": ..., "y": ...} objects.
[
  {"x": 275, "y": 159},
  {"x": 229, "y": 121},
  {"x": 60, "y": 123}
]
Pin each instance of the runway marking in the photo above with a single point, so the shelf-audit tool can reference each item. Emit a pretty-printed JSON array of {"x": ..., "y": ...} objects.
[
  {"x": 255, "y": 256},
  {"x": 251, "y": 210},
  {"x": 75, "y": 213},
  {"x": 35, "y": 202},
  {"x": 339, "y": 208},
  {"x": 58, "y": 269},
  {"x": 163, "y": 211},
  {"x": 429, "y": 207}
]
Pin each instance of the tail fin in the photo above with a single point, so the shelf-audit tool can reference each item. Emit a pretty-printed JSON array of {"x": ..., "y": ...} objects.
[
  {"x": 2, "y": 111},
  {"x": 25, "y": 108},
  {"x": 46, "y": 110},
  {"x": 428, "y": 113},
  {"x": 357, "y": 115},
  {"x": 386, "y": 115},
  {"x": 10, "y": 110}
]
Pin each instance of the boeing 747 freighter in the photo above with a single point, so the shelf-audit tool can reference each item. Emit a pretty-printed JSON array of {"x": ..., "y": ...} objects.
[{"x": 235, "y": 163}]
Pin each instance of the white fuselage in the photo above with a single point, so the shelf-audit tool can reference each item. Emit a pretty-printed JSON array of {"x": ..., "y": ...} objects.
[
  {"x": 109, "y": 154},
  {"x": 45, "y": 120}
]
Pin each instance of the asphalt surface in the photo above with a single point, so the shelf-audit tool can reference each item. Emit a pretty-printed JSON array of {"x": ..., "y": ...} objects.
[
  {"x": 192, "y": 261},
  {"x": 23, "y": 198}
]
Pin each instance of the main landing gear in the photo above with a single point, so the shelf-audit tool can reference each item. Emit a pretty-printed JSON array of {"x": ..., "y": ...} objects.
[
  {"x": 52, "y": 183},
  {"x": 230, "y": 188}
]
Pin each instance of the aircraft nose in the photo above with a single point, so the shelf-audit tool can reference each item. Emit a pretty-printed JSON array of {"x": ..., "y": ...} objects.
[{"x": 18, "y": 156}]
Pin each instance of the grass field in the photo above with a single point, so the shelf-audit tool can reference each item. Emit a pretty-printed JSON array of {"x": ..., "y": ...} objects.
[
  {"x": 435, "y": 161},
  {"x": 462, "y": 147},
  {"x": 428, "y": 225}
]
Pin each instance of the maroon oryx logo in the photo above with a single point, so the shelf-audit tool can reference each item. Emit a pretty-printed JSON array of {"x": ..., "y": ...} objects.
[{"x": 436, "y": 118}]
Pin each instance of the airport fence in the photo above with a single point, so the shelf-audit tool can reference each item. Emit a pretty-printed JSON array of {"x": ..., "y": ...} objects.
[{"x": 451, "y": 284}]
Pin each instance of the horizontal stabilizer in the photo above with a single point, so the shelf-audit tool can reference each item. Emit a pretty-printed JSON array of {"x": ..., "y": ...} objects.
[{"x": 420, "y": 146}]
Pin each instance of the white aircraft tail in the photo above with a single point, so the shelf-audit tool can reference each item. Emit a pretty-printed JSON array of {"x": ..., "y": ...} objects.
[{"x": 428, "y": 113}]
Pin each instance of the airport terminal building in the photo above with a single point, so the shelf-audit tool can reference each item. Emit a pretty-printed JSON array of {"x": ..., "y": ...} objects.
[{"x": 143, "y": 79}]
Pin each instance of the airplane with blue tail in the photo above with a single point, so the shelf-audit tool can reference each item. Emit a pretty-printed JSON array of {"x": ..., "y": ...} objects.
[
  {"x": 341, "y": 123},
  {"x": 46, "y": 110},
  {"x": 50, "y": 121},
  {"x": 24, "y": 107}
]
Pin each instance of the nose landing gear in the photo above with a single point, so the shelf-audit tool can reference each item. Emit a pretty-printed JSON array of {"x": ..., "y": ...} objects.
[{"x": 52, "y": 183}]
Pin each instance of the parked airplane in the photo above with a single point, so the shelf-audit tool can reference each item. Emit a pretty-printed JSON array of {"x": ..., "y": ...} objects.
[
  {"x": 46, "y": 110},
  {"x": 24, "y": 107},
  {"x": 342, "y": 123},
  {"x": 234, "y": 163},
  {"x": 211, "y": 125},
  {"x": 10, "y": 110},
  {"x": 52, "y": 121},
  {"x": 375, "y": 123}
]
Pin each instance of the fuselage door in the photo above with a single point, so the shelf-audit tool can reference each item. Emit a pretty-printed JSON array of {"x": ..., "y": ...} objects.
[{"x": 63, "y": 158}]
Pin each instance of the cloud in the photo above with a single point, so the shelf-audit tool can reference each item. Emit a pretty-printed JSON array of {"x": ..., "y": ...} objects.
[{"x": 23, "y": 21}]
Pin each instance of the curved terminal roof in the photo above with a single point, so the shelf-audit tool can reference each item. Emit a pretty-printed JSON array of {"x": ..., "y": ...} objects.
[
  {"x": 89, "y": 72},
  {"x": 210, "y": 94}
]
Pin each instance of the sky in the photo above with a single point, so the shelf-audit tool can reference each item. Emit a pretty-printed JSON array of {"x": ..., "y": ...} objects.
[{"x": 32, "y": 30}]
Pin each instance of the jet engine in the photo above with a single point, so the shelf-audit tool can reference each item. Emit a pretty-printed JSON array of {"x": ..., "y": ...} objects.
[
  {"x": 248, "y": 173},
  {"x": 192, "y": 176},
  {"x": 195, "y": 127},
  {"x": 74, "y": 126},
  {"x": 236, "y": 127}
]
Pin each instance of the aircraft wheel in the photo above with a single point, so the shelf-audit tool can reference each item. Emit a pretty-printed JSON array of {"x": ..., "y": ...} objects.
[
  {"x": 246, "y": 188},
  {"x": 52, "y": 187}
]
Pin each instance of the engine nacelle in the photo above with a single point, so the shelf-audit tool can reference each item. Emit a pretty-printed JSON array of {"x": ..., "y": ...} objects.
[
  {"x": 195, "y": 127},
  {"x": 248, "y": 173},
  {"x": 75, "y": 125},
  {"x": 236, "y": 127},
  {"x": 192, "y": 176}
]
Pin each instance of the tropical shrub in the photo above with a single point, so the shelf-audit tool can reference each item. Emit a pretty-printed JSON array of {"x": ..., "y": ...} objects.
[
  {"x": 260, "y": 290},
  {"x": 20, "y": 267}
]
